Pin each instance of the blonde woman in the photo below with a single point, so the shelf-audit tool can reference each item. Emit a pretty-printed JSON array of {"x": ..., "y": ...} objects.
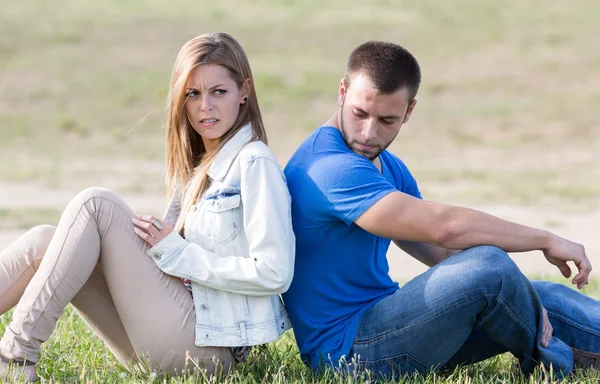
[{"x": 204, "y": 282}]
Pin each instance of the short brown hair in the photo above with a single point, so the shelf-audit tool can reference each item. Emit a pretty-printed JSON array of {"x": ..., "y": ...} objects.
[{"x": 388, "y": 65}]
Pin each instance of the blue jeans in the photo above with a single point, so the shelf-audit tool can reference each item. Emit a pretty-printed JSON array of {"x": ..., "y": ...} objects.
[{"x": 472, "y": 306}]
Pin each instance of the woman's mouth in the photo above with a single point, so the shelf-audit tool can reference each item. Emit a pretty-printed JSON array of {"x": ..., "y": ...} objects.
[{"x": 209, "y": 122}]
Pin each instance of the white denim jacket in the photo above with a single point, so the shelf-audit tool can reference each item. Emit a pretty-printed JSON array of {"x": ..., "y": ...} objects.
[{"x": 239, "y": 247}]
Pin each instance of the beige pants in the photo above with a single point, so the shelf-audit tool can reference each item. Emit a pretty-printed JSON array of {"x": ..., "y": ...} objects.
[{"x": 96, "y": 262}]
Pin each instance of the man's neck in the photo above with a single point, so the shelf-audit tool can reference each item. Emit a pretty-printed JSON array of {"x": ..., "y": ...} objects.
[{"x": 333, "y": 122}]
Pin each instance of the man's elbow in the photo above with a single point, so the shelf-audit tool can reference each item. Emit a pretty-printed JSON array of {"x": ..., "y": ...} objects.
[{"x": 449, "y": 233}]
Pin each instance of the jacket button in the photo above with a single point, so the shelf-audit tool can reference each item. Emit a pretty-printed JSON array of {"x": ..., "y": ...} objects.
[
  {"x": 193, "y": 208},
  {"x": 156, "y": 256},
  {"x": 206, "y": 336},
  {"x": 204, "y": 307}
]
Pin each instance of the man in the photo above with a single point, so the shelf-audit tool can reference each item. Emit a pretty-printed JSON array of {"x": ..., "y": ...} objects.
[{"x": 351, "y": 198}]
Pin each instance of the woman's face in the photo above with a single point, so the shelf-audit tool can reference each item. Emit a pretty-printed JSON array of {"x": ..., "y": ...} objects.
[{"x": 213, "y": 102}]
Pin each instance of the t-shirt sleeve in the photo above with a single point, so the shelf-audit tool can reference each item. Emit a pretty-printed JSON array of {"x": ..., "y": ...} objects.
[
  {"x": 410, "y": 186},
  {"x": 404, "y": 180},
  {"x": 343, "y": 186}
]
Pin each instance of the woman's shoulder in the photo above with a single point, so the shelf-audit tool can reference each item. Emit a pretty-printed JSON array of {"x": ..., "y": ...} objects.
[{"x": 255, "y": 150}]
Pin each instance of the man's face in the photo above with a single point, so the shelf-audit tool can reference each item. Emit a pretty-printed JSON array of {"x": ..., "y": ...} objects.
[{"x": 370, "y": 121}]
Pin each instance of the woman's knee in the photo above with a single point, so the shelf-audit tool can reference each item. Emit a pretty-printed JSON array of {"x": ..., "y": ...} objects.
[
  {"x": 92, "y": 192},
  {"x": 95, "y": 198},
  {"x": 40, "y": 238}
]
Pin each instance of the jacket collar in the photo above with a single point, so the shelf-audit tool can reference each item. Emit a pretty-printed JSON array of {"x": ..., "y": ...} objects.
[{"x": 229, "y": 152}]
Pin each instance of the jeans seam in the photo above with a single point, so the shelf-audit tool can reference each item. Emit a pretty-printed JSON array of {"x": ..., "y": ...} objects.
[
  {"x": 408, "y": 355},
  {"x": 572, "y": 323},
  {"x": 514, "y": 316},
  {"x": 459, "y": 303}
]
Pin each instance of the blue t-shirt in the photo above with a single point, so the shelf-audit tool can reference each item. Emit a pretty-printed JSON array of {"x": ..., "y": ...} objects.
[{"x": 341, "y": 270}]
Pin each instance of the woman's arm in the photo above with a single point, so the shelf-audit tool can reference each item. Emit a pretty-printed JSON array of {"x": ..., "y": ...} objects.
[{"x": 267, "y": 223}]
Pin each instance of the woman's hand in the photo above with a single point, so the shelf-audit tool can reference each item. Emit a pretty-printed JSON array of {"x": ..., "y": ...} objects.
[{"x": 150, "y": 229}]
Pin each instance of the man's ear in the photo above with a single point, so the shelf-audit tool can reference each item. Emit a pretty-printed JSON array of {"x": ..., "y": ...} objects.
[
  {"x": 342, "y": 92},
  {"x": 409, "y": 110}
]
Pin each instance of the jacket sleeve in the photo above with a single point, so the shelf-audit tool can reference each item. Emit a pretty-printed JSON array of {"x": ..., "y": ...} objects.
[{"x": 267, "y": 223}]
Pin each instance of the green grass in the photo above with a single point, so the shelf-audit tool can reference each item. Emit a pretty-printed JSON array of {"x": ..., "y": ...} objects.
[{"x": 75, "y": 355}]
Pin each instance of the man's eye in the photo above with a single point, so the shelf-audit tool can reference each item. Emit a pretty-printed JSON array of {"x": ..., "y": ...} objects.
[{"x": 388, "y": 122}]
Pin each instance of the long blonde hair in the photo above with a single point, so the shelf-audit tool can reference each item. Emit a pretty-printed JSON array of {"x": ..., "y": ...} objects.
[{"x": 188, "y": 161}]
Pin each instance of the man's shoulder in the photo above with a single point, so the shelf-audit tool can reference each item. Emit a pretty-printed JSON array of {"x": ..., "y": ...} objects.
[
  {"x": 322, "y": 144},
  {"x": 393, "y": 161}
]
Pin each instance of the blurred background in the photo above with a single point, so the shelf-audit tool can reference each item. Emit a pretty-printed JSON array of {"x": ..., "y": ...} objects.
[{"x": 506, "y": 121}]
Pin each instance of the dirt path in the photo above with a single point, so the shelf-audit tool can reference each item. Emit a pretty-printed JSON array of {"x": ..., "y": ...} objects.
[{"x": 583, "y": 228}]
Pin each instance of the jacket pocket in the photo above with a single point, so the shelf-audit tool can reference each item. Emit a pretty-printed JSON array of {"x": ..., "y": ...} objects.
[{"x": 223, "y": 216}]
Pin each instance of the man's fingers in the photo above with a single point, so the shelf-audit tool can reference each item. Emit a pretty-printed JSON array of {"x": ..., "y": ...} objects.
[
  {"x": 547, "y": 335},
  {"x": 547, "y": 331},
  {"x": 584, "y": 267},
  {"x": 564, "y": 269}
]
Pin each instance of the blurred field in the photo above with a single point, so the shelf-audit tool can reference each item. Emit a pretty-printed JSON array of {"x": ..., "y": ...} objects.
[
  {"x": 506, "y": 121},
  {"x": 507, "y": 110},
  {"x": 507, "y": 118}
]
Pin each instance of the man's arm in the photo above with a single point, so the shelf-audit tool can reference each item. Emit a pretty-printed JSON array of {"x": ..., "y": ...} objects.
[
  {"x": 400, "y": 216},
  {"x": 427, "y": 254}
]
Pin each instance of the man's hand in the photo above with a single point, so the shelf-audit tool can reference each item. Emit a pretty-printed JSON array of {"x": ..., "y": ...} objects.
[
  {"x": 150, "y": 229},
  {"x": 547, "y": 335},
  {"x": 562, "y": 250}
]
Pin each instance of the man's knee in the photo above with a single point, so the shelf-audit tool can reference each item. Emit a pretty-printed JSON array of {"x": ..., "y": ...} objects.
[
  {"x": 489, "y": 254},
  {"x": 490, "y": 261}
]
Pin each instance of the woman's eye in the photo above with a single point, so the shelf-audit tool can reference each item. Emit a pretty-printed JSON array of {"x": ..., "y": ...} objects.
[
  {"x": 219, "y": 92},
  {"x": 192, "y": 94}
]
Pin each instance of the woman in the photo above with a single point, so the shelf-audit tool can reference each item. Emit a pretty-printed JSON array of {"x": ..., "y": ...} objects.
[{"x": 227, "y": 239}]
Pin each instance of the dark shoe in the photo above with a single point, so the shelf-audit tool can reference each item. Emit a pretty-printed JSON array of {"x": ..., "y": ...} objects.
[
  {"x": 585, "y": 359},
  {"x": 17, "y": 370}
]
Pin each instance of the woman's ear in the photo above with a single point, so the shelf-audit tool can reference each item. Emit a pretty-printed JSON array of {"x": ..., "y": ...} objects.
[{"x": 245, "y": 93}]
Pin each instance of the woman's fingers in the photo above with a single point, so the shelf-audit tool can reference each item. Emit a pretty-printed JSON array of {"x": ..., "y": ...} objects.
[
  {"x": 146, "y": 226},
  {"x": 145, "y": 236}
]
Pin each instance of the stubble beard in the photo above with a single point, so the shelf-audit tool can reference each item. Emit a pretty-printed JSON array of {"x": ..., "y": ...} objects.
[{"x": 370, "y": 156}]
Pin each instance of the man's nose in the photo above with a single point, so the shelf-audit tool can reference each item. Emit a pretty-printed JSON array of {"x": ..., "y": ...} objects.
[{"x": 369, "y": 131}]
